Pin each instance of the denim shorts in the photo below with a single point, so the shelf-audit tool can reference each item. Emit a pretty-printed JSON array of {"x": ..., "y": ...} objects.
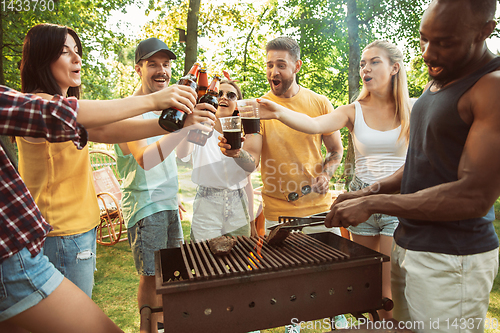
[
  {"x": 75, "y": 257},
  {"x": 377, "y": 224},
  {"x": 25, "y": 281},
  {"x": 154, "y": 232},
  {"x": 219, "y": 212}
]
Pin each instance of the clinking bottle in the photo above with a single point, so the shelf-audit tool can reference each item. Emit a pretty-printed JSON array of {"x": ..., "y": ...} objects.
[
  {"x": 202, "y": 82},
  {"x": 197, "y": 136},
  {"x": 172, "y": 119}
]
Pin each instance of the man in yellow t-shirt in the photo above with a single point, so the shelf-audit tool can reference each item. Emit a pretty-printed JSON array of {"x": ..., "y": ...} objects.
[{"x": 295, "y": 177}]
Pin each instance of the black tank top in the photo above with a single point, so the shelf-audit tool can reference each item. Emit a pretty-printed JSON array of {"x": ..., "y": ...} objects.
[{"x": 437, "y": 139}]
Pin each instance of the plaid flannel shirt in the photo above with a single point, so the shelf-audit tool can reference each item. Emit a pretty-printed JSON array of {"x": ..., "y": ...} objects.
[{"x": 22, "y": 224}]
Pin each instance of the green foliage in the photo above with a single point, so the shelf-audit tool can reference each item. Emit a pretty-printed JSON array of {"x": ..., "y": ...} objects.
[
  {"x": 88, "y": 19},
  {"x": 417, "y": 77},
  {"x": 399, "y": 21},
  {"x": 238, "y": 34}
]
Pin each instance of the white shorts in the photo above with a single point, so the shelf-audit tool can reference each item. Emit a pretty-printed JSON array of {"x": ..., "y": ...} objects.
[{"x": 437, "y": 292}]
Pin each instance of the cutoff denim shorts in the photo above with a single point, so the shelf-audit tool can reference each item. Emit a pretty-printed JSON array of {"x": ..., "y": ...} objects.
[
  {"x": 377, "y": 224},
  {"x": 25, "y": 281},
  {"x": 155, "y": 232},
  {"x": 75, "y": 257},
  {"x": 219, "y": 212}
]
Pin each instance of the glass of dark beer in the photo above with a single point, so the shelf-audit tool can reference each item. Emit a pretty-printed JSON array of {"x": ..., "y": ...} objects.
[
  {"x": 231, "y": 126},
  {"x": 249, "y": 113}
]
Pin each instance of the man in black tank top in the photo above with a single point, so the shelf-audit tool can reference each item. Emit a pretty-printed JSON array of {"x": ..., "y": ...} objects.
[{"x": 445, "y": 255}]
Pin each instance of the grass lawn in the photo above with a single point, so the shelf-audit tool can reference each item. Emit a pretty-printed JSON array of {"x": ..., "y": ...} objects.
[{"x": 116, "y": 279}]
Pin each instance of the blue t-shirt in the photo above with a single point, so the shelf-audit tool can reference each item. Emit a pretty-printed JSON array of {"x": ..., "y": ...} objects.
[{"x": 147, "y": 192}]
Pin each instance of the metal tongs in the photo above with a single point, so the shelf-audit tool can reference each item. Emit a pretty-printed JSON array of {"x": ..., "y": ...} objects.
[{"x": 297, "y": 223}]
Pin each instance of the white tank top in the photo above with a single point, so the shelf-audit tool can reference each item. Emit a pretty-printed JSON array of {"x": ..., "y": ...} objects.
[{"x": 378, "y": 153}]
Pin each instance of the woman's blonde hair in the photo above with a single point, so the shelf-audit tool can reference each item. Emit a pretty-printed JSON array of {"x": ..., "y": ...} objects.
[{"x": 399, "y": 85}]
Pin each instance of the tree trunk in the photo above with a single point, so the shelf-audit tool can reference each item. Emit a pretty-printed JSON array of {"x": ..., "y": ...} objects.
[
  {"x": 353, "y": 78},
  {"x": 192, "y": 35}
]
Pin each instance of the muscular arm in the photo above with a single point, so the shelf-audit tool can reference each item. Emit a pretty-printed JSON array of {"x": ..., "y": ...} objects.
[{"x": 478, "y": 184}]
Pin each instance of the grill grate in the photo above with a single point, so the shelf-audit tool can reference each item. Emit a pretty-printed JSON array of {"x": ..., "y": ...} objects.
[{"x": 254, "y": 255}]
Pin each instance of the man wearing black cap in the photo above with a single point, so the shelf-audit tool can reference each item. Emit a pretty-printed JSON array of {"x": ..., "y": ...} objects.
[
  {"x": 149, "y": 169},
  {"x": 153, "y": 64}
]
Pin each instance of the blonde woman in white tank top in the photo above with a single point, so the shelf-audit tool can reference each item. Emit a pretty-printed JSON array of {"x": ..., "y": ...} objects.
[{"x": 379, "y": 122}]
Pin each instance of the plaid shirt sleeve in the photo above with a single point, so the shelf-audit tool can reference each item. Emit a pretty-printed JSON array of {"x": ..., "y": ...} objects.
[
  {"x": 30, "y": 115},
  {"x": 22, "y": 224}
]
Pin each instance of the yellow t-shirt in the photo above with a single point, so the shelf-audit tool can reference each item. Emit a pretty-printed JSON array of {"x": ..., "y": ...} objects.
[
  {"x": 291, "y": 159},
  {"x": 59, "y": 177}
]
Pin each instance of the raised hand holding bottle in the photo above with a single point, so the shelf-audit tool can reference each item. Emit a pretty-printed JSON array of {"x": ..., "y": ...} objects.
[{"x": 172, "y": 119}]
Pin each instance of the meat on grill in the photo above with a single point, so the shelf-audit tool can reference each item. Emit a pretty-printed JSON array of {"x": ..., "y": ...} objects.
[
  {"x": 221, "y": 245},
  {"x": 278, "y": 235}
]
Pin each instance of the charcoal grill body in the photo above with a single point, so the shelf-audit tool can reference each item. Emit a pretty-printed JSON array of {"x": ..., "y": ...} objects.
[{"x": 273, "y": 297}]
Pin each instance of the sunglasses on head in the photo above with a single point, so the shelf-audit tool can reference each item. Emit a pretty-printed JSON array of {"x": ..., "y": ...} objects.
[{"x": 230, "y": 95}]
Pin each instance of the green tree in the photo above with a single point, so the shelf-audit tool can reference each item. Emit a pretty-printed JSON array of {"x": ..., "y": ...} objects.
[
  {"x": 171, "y": 16},
  {"x": 88, "y": 18},
  {"x": 234, "y": 31},
  {"x": 240, "y": 33}
]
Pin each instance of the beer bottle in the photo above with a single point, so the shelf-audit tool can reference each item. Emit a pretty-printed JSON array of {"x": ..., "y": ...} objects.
[
  {"x": 202, "y": 82},
  {"x": 212, "y": 95},
  {"x": 172, "y": 119},
  {"x": 200, "y": 137}
]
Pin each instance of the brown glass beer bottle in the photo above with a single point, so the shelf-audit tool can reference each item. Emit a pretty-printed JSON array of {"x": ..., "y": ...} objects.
[
  {"x": 200, "y": 137},
  {"x": 172, "y": 119},
  {"x": 212, "y": 94},
  {"x": 202, "y": 82}
]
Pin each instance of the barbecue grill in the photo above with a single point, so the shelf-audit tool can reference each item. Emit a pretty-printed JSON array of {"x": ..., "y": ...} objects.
[{"x": 259, "y": 286}]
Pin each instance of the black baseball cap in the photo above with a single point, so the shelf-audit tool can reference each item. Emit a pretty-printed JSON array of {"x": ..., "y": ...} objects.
[{"x": 150, "y": 46}]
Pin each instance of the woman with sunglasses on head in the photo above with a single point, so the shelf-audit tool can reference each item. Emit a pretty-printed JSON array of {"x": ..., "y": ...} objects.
[
  {"x": 379, "y": 123},
  {"x": 224, "y": 200}
]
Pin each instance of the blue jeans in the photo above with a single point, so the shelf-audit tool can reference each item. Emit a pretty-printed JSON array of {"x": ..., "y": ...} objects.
[
  {"x": 25, "y": 281},
  {"x": 152, "y": 233},
  {"x": 75, "y": 257}
]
